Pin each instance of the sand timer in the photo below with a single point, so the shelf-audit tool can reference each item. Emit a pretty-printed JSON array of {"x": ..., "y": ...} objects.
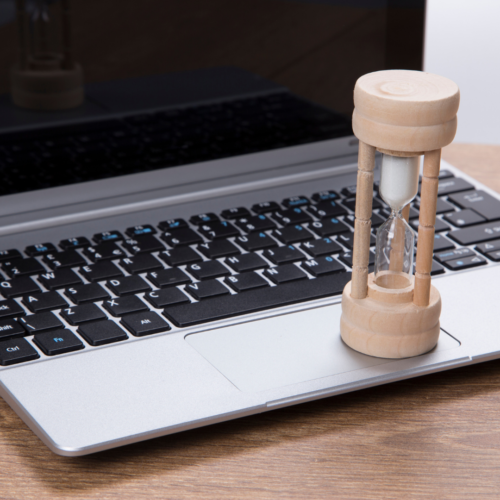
[{"x": 404, "y": 115}]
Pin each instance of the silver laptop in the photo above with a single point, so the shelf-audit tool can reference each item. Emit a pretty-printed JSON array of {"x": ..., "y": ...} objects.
[{"x": 174, "y": 250}]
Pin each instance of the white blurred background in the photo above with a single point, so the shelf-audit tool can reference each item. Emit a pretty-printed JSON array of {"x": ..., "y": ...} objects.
[{"x": 462, "y": 42}]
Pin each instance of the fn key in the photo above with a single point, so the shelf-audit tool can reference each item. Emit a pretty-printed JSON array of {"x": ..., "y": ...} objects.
[{"x": 16, "y": 351}]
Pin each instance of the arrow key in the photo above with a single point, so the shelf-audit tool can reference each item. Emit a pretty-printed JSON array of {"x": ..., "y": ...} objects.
[{"x": 465, "y": 263}]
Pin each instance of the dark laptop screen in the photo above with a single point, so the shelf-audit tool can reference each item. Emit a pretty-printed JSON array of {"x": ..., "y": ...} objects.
[{"x": 175, "y": 82}]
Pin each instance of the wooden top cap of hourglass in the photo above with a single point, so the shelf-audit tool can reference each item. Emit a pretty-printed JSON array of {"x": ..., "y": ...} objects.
[{"x": 405, "y": 111}]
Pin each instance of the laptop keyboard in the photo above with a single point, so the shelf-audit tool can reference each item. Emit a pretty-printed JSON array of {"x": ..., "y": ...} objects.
[
  {"x": 58, "y": 156},
  {"x": 92, "y": 290}
]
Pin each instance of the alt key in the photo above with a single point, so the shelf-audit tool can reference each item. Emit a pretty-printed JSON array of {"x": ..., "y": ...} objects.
[{"x": 16, "y": 351}]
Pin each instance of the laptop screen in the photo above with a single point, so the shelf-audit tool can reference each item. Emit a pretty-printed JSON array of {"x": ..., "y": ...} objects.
[{"x": 172, "y": 83}]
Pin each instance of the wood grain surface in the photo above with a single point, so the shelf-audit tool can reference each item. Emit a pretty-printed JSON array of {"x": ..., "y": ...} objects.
[{"x": 434, "y": 437}]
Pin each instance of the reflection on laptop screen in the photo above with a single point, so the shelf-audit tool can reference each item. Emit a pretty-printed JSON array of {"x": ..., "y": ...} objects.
[{"x": 172, "y": 83}]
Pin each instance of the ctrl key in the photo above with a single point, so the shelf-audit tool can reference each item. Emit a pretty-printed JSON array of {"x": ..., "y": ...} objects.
[
  {"x": 16, "y": 351},
  {"x": 58, "y": 342}
]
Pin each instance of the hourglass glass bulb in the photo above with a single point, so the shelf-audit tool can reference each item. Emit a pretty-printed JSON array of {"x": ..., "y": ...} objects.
[{"x": 395, "y": 238}]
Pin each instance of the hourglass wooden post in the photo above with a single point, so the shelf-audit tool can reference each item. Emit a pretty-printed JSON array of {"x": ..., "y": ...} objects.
[{"x": 403, "y": 115}]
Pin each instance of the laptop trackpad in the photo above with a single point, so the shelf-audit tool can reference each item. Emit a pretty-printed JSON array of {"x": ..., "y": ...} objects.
[{"x": 284, "y": 350}]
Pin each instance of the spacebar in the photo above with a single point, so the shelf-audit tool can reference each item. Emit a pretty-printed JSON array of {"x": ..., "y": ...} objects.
[{"x": 256, "y": 300}]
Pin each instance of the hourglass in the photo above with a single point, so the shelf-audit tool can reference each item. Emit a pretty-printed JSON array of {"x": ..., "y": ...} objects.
[{"x": 404, "y": 115}]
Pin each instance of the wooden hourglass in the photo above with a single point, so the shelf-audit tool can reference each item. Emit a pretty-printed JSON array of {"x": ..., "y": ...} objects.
[{"x": 402, "y": 114}]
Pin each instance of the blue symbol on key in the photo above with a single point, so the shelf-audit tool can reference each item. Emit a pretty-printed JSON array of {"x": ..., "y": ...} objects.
[
  {"x": 41, "y": 249},
  {"x": 224, "y": 224},
  {"x": 175, "y": 224},
  {"x": 110, "y": 237},
  {"x": 327, "y": 240},
  {"x": 262, "y": 217},
  {"x": 335, "y": 221},
  {"x": 297, "y": 210},
  {"x": 58, "y": 339},
  {"x": 298, "y": 228},
  {"x": 460, "y": 263},
  {"x": 291, "y": 247},
  {"x": 206, "y": 219},
  {"x": 262, "y": 235},
  {"x": 329, "y": 259}
]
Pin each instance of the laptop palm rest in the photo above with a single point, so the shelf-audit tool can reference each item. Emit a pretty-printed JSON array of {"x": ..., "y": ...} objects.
[{"x": 284, "y": 350}]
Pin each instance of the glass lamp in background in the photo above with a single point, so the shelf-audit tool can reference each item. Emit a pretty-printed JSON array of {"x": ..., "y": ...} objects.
[{"x": 45, "y": 77}]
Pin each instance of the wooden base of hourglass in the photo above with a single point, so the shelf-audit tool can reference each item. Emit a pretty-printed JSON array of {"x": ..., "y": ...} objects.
[{"x": 386, "y": 323}]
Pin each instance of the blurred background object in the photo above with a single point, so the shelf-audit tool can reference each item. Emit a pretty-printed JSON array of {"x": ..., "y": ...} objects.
[
  {"x": 462, "y": 41},
  {"x": 45, "y": 76}
]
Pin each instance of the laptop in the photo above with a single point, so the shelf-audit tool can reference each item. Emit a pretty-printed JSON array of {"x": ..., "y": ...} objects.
[{"x": 174, "y": 250}]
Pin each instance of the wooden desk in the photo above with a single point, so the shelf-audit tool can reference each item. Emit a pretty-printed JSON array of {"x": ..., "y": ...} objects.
[{"x": 432, "y": 437}]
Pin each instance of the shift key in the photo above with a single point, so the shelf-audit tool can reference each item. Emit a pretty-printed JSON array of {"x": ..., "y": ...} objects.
[{"x": 476, "y": 234}]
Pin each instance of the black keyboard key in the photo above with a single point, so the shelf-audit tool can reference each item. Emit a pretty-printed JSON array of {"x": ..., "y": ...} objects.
[
  {"x": 143, "y": 244},
  {"x": 168, "y": 225},
  {"x": 439, "y": 225},
  {"x": 235, "y": 213},
  {"x": 124, "y": 305},
  {"x": 329, "y": 227},
  {"x": 452, "y": 185},
  {"x": 442, "y": 243},
  {"x": 346, "y": 258},
  {"x": 245, "y": 281},
  {"x": 179, "y": 256},
  {"x": 79, "y": 242},
  {"x": 62, "y": 278},
  {"x": 10, "y": 328},
  {"x": 101, "y": 332},
  {"x": 457, "y": 253},
  {"x": 128, "y": 285},
  {"x": 10, "y": 309},
  {"x": 284, "y": 273},
  {"x": 326, "y": 209},
  {"x": 217, "y": 248},
  {"x": 255, "y": 223},
  {"x": 12, "y": 254},
  {"x": 203, "y": 218},
  {"x": 60, "y": 342},
  {"x": 40, "y": 249},
  {"x": 68, "y": 258},
  {"x": 444, "y": 174},
  {"x": 480, "y": 201},
  {"x": 82, "y": 314},
  {"x": 476, "y": 234},
  {"x": 291, "y": 234},
  {"x": 16, "y": 350},
  {"x": 323, "y": 246},
  {"x": 291, "y": 216},
  {"x": 491, "y": 246},
  {"x": 494, "y": 256},
  {"x": 218, "y": 230},
  {"x": 22, "y": 267},
  {"x": 41, "y": 302},
  {"x": 168, "y": 277},
  {"x": 86, "y": 293},
  {"x": 349, "y": 191},
  {"x": 18, "y": 287},
  {"x": 104, "y": 251},
  {"x": 255, "y": 241},
  {"x": 436, "y": 268},
  {"x": 323, "y": 265},
  {"x": 107, "y": 236},
  {"x": 465, "y": 263},
  {"x": 208, "y": 269},
  {"x": 206, "y": 289},
  {"x": 146, "y": 323},
  {"x": 464, "y": 218},
  {"x": 265, "y": 207},
  {"x": 143, "y": 230},
  {"x": 257, "y": 300},
  {"x": 181, "y": 237},
  {"x": 442, "y": 206},
  {"x": 166, "y": 297},
  {"x": 284, "y": 255},
  {"x": 41, "y": 322},
  {"x": 347, "y": 239},
  {"x": 246, "y": 262},
  {"x": 296, "y": 201},
  {"x": 100, "y": 271},
  {"x": 141, "y": 263},
  {"x": 325, "y": 196}
]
